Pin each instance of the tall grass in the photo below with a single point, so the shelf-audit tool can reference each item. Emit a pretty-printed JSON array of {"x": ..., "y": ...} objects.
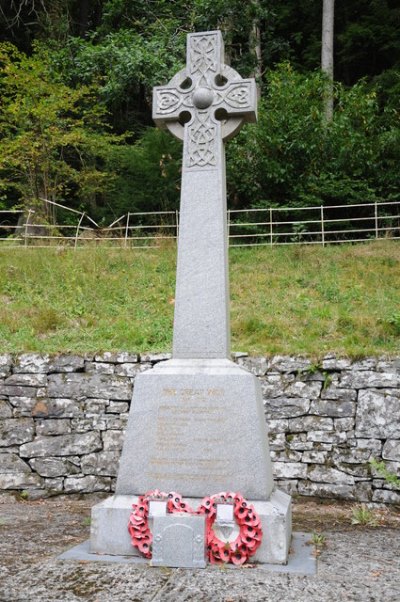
[{"x": 300, "y": 299}]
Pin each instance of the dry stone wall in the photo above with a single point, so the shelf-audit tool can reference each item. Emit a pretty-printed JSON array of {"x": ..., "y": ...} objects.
[{"x": 62, "y": 422}]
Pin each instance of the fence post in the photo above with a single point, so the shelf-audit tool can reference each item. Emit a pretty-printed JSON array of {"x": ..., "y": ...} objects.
[
  {"x": 322, "y": 226},
  {"x": 229, "y": 225},
  {"x": 376, "y": 221},
  {"x": 177, "y": 224},
  {"x": 77, "y": 231},
  {"x": 127, "y": 229},
  {"x": 30, "y": 211},
  {"x": 271, "y": 238}
]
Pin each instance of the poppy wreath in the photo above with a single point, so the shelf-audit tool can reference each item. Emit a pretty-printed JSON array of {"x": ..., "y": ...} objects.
[
  {"x": 250, "y": 532},
  {"x": 138, "y": 525},
  {"x": 236, "y": 552}
]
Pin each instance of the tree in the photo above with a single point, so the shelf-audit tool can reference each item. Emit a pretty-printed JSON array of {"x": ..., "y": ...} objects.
[
  {"x": 328, "y": 13},
  {"x": 52, "y": 138}
]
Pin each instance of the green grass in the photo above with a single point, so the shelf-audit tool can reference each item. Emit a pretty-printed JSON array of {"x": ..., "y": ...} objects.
[{"x": 298, "y": 300}]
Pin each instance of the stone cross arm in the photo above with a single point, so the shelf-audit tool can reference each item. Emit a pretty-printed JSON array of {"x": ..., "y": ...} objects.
[{"x": 208, "y": 86}]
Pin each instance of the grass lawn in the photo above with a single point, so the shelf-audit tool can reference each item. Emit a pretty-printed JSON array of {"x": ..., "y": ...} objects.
[{"x": 305, "y": 300}]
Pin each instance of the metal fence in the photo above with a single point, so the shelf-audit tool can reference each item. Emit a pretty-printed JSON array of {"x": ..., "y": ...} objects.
[{"x": 246, "y": 227}]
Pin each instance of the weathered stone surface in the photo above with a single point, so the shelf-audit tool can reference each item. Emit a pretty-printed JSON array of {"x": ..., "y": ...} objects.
[
  {"x": 286, "y": 407},
  {"x": 5, "y": 364},
  {"x": 55, "y": 467},
  {"x": 309, "y": 423},
  {"x": 113, "y": 440},
  {"x": 56, "y": 408},
  {"x": 95, "y": 406},
  {"x": 86, "y": 484},
  {"x": 62, "y": 445},
  {"x": 20, "y": 481},
  {"x": 368, "y": 379},
  {"x": 275, "y": 384},
  {"x": 12, "y": 463},
  {"x": 89, "y": 385},
  {"x": 307, "y": 390},
  {"x": 326, "y": 437},
  {"x": 154, "y": 358},
  {"x": 5, "y": 409},
  {"x": 285, "y": 455},
  {"x": 54, "y": 485},
  {"x": 53, "y": 427},
  {"x": 289, "y": 470},
  {"x": 66, "y": 363},
  {"x": 277, "y": 441},
  {"x": 15, "y": 431},
  {"x": 332, "y": 391},
  {"x": 326, "y": 490},
  {"x": 32, "y": 363},
  {"x": 385, "y": 365},
  {"x": 378, "y": 413},
  {"x": 90, "y": 423},
  {"x": 314, "y": 457},
  {"x": 27, "y": 380},
  {"x": 278, "y": 426},
  {"x": 132, "y": 370},
  {"x": 117, "y": 358},
  {"x": 299, "y": 442},
  {"x": 344, "y": 424},
  {"x": 331, "y": 362},
  {"x": 99, "y": 368},
  {"x": 329, "y": 407},
  {"x": 384, "y": 496},
  {"x": 117, "y": 407},
  {"x": 368, "y": 363},
  {"x": 18, "y": 391},
  {"x": 286, "y": 363},
  {"x": 102, "y": 463},
  {"x": 325, "y": 474},
  {"x": 255, "y": 365},
  {"x": 391, "y": 450},
  {"x": 352, "y": 456}
]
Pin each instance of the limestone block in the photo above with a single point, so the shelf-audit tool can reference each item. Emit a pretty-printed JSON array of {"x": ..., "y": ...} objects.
[
  {"x": 154, "y": 358},
  {"x": 99, "y": 368},
  {"x": 27, "y": 380},
  {"x": 59, "y": 426},
  {"x": 66, "y": 363},
  {"x": 275, "y": 384},
  {"x": 310, "y": 423},
  {"x": 314, "y": 457},
  {"x": 103, "y": 463},
  {"x": 285, "y": 363},
  {"x": 53, "y": 486},
  {"x": 352, "y": 456},
  {"x": 5, "y": 364},
  {"x": 326, "y": 490},
  {"x": 333, "y": 408},
  {"x": 62, "y": 445},
  {"x": 373, "y": 445},
  {"x": 86, "y": 484},
  {"x": 90, "y": 423},
  {"x": 94, "y": 407},
  {"x": 289, "y": 470},
  {"x": 369, "y": 363},
  {"x": 285, "y": 455},
  {"x": 15, "y": 431},
  {"x": 359, "y": 471},
  {"x": 5, "y": 409},
  {"x": 307, "y": 390},
  {"x": 340, "y": 394},
  {"x": 117, "y": 407},
  {"x": 57, "y": 408},
  {"x": 32, "y": 363},
  {"x": 325, "y": 474},
  {"x": 286, "y": 407},
  {"x": 18, "y": 391},
  {"x": 12, "y": 463},
  {"x": 255, "y": 365},
  {"x": 391, "y": 450},
  {"x": 277, "y": 426},
  {"x": 113, "y": 440},
  {"x": 384, "y": 496},
  {"x": 378, "y": 414},
  {"x": 385, "y": 365},
  {"x": 277, "y": 441},
  {"x": 299, "y": 442},
  {"x": 55, "y": 467},
  {"x": 132, "y": 370},
  {"x": 117, "y": 358},
  {"x": 22, "y": 406},
  {"x": 20, "y": 481},
  {"x": 333, "y": 363},
  {"x": 77, "y": 385},
  {"x": 344, "y": 424},
  {"x": 327, "y": 437},
  {"x": 367, "y": 379}
]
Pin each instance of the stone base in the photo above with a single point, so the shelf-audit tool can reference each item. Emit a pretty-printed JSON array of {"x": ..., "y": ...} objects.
[{"x": 109, "y": 527}]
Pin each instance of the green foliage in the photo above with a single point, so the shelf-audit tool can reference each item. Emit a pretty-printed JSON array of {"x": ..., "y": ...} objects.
[
  {"x": 362, "y": 515},
  {"x": 291, "y": 157},
  {"x": 52, "y": 137},
  {"x": 390, "y": 477}
]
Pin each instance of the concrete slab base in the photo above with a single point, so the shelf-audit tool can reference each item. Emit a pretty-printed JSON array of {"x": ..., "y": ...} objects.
[
  {"x": 109, "y": 527},
  {"x": 301, "y": 560}
]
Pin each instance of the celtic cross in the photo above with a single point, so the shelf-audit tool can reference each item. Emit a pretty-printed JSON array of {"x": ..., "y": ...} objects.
[{"x": 204, "y": 104}]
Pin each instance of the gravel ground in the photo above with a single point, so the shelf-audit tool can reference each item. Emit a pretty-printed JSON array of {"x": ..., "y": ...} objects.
[{"x": 357, "y": 564}]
